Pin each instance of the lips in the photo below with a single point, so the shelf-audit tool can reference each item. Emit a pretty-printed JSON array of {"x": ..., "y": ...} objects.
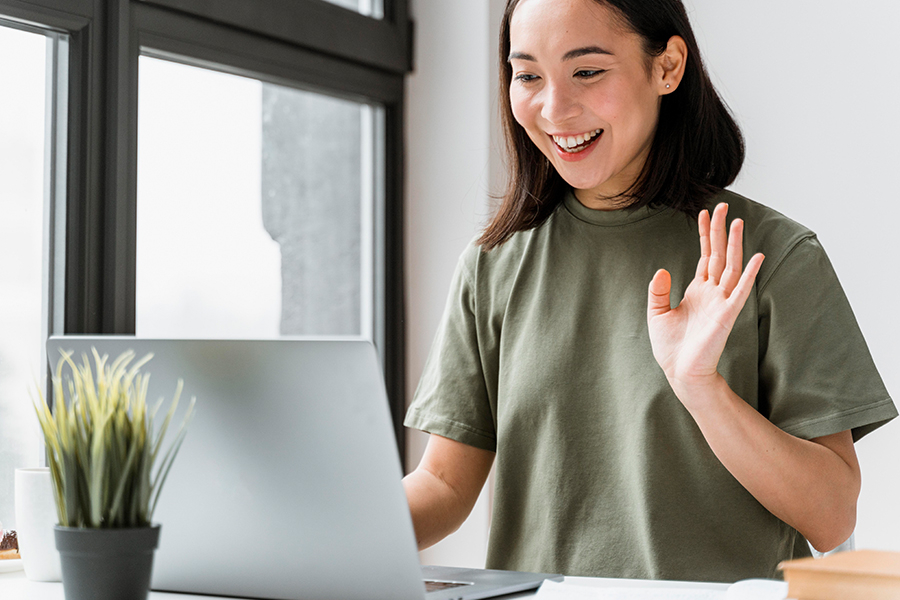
[{"x": 573, "y": 144}]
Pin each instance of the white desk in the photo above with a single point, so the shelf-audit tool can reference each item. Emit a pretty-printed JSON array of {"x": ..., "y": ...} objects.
[{"x": 14, "y": 586}]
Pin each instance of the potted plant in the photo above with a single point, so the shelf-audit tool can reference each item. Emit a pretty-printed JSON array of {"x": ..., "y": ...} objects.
[{"x": 102, "y": 447}]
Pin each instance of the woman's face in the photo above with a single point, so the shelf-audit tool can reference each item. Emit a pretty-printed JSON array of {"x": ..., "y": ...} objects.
[{"x": 581, "y": 90}]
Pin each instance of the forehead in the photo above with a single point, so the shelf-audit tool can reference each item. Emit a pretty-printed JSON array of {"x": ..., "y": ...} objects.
[{"x": 547, "y": 29}]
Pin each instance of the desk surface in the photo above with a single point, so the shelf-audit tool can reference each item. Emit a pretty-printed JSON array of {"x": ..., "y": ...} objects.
[{"x": 15, "y": 587}]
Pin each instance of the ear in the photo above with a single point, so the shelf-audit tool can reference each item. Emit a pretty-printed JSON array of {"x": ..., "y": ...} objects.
[{"x": 670, "y": 65}]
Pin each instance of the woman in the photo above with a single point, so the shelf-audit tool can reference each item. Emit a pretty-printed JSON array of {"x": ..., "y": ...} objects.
[{"x": 631, "y": 439}]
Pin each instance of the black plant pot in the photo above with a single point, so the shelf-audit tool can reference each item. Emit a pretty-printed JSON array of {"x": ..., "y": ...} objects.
[{"x": 106, "y": 564}]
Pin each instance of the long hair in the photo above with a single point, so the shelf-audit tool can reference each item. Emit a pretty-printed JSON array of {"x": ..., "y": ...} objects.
[{"x": 696, "y": 151}]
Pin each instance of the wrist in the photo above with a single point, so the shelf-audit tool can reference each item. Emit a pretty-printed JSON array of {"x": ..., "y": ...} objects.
[{"x": 697, "y": 393}]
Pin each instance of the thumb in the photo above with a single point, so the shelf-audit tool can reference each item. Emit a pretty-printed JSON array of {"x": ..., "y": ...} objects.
[{"x": 658, "y": 294}]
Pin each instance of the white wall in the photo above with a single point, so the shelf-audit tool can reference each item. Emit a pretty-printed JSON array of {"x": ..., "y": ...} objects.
[
  {"x": 811, "y": 83},
  {"x": 451, "y": 171}
]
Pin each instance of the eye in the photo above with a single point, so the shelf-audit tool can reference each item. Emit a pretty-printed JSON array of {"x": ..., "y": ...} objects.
[
  {"x": 525, "y": 77},
  {"x": 588, "y": 73}
]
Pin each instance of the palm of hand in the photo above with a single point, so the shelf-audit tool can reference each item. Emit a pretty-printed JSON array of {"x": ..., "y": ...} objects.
[{"x": 688, "y": 340}]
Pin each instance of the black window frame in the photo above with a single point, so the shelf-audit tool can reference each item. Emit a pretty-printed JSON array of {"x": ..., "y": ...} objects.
[{"x": 307, "y": 44}]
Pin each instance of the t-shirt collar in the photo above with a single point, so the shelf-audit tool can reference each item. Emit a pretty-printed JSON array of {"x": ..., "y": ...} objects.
[{"x": 608, "y": 218}]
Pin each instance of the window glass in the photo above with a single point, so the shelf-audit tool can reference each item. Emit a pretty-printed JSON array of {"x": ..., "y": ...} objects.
[
  {"x": 255, "y": 209},
  {"x": 370, "y": 8},
  {"x": 22, "y": 92}
]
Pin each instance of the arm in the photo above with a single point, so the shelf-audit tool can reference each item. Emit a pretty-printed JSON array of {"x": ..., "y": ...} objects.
[
  {"x": 444, "y": 487},
  {"x": 811, "y": 485}
]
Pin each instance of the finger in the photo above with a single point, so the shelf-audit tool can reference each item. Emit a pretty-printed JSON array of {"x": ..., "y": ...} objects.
[
  {"x": 742, "y": 290},
  {"x": 735, "y": 258},
  {"x": 703, "y": 227},
  {"x": 717, "y": 242},
  {"x": 658, "y": 294}
]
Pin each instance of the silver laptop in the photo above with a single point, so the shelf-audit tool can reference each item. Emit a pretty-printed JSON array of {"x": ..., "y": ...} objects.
[{"x": 288, "y": 482}]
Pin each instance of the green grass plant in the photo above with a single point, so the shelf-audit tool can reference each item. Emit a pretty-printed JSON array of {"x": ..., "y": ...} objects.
[{"x": 101, "y": 442}]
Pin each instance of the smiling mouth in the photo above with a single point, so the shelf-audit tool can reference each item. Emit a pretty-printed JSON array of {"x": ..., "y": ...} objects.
[{"x": 577, "y": 143}]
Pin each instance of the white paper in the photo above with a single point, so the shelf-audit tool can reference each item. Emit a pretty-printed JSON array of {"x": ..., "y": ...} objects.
[
  {"x": 552, "y": 590},
  {"x": 751, "y": 589}
]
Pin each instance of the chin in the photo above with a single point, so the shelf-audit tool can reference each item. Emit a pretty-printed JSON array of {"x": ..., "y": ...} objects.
[{"x": 578, "y": 183}]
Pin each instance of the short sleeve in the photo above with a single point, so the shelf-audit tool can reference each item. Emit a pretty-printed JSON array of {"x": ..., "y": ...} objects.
[
  {"x": 452, "y": 398},
  {"x": 817, "y": 376}
]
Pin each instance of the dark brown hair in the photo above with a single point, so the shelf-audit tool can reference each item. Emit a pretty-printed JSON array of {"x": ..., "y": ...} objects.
[{"x": 697, "y": 148}]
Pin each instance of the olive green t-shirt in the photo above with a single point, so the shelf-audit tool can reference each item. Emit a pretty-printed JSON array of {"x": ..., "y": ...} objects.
[{"x": 543, "y": 356}]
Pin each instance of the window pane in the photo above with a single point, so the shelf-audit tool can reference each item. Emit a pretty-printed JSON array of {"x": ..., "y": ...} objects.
[
  {"x": 255, "y": 208},
  {"x": 370, "y": 8},
  {"x": 22, "y": 87}
]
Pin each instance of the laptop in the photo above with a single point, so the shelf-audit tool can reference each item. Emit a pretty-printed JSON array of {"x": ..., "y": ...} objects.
[{"x": 287, "y": 485}]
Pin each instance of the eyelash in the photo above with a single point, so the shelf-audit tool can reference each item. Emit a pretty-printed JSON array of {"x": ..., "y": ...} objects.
[{"x": 583, "y": 74}]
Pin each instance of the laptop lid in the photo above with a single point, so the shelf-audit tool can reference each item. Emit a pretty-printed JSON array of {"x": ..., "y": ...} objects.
[
  {"x": 287, "y": 485},
  {"x": 288, "y": 482}
]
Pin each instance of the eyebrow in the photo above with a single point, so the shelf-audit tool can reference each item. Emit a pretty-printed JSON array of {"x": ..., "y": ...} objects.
[{"x": 576, "y": 53}]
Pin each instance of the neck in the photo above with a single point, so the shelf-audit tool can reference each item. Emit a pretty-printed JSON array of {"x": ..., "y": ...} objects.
[{"x": 597, "y": 201}]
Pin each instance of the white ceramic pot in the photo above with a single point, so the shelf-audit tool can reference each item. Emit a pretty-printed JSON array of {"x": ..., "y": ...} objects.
[{"x": 35, "y": 519}]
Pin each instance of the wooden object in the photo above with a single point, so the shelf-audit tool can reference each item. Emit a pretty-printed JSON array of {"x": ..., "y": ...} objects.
[{"x": 861, "y": 574}]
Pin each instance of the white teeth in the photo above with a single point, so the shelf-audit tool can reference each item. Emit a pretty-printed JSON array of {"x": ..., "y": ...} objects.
[{"x": 570, "y": 142}]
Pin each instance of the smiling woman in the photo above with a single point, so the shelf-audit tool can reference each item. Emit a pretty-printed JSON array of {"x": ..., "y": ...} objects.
[
  {"x": 657, "y": 404},
  {"x": 659, "y": 149},
  {"x": 610, "y": 92}
]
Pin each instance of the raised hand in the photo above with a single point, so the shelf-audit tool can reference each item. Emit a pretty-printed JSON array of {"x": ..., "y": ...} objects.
[{"x": 688, "y": 340}]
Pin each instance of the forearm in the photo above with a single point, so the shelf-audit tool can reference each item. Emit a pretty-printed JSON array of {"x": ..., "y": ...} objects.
[
  {"x": 444, "y": 487},
  {"x": 806, "y": 484},
  {"x": 435, "y": 508}
]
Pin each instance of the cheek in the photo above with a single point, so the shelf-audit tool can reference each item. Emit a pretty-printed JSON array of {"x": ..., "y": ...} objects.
[
  {"x": 526, "y": 111},
  {"x": 616, "y": 103},
  {"x": 522, "y": 108},
  {"x": 633, "y": 114}
]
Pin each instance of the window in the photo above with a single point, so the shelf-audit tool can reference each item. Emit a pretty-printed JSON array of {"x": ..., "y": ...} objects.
[
  {"x": 27, "y": 65},
  {"x": 370, "y": 8},
  {"x": 256, "y": 209},
  {"x": 206, "y": 265},
  {"x": 301, "y": 66}
]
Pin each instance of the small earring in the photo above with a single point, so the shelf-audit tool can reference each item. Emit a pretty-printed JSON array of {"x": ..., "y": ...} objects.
[{"x": 668, "y": 86}]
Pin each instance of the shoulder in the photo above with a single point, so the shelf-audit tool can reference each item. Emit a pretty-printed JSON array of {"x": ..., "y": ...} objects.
[
  {"x": 489, "y": 276},
  {"x": 764, "y": 226},
  {"x": 768, "y": 231},
  {"x": 507, "y": 258}
]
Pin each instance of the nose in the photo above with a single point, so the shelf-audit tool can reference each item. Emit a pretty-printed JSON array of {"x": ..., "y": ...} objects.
[{"x": 560, "y": 103}]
